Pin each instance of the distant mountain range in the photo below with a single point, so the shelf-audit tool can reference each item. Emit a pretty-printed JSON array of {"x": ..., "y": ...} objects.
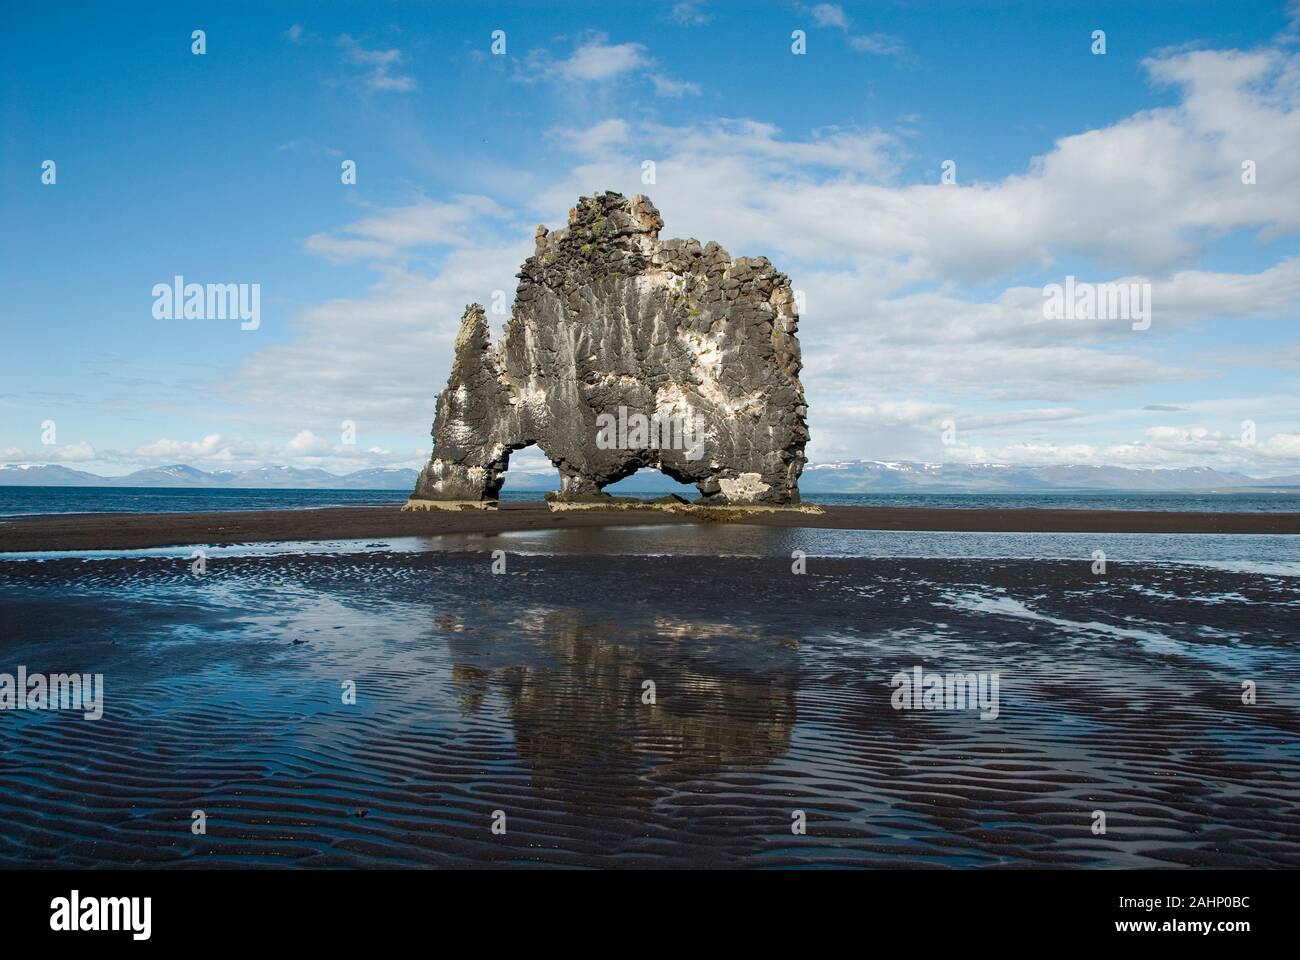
[
  {"x": 178, "y": 475},
  {"x": 879, "y": 476},
  {"x": 848, "y": 476}
]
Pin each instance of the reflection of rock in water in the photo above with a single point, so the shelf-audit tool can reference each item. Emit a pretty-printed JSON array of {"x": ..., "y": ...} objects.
[{"x": 576, "y": 701}]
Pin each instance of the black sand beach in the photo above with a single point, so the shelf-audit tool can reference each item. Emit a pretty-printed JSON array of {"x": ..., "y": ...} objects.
[
  {"x": 132, "y": 531},
  {"x": 524, "y": 693}
]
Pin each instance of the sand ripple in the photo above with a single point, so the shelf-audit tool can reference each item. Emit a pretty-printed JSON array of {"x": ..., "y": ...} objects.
[{"x": 523, "y": 693}]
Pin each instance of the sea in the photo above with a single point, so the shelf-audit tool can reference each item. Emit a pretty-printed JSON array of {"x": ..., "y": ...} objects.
[
  {"x": 28, "y": 501},
  {"x": 661, "y": 695}
]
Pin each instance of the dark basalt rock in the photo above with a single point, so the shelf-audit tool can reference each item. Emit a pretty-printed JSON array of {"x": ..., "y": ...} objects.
[{"x": 608, "y": 316}]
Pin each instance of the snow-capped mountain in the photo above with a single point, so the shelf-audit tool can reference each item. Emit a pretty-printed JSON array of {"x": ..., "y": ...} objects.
[
  {"x": 179, "y": 475},
  {"x": 866, "y": 476},
  {"x": 295, "y": 478},
  {"x": 45, "y": 475}
]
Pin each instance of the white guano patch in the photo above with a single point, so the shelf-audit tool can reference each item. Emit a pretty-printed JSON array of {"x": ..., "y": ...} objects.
[
  {"x": 706, "y": 352},
  {"x": 671, "y": 398},
  {"x": 747, "y": 486},
  {"x": 460, "y": 432},
  {"x": 533, "y": 399},
  {"x": 657, "y": 279},
  {"x": 671, "y": 401}
]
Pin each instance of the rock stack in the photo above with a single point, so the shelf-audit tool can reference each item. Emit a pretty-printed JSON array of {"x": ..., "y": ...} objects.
[{"x": 611, "y": 324}]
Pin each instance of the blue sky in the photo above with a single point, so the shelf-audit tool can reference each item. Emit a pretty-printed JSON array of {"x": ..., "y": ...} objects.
[{"x": 923, "y": 298}]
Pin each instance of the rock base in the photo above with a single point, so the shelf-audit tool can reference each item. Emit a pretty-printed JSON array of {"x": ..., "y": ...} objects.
[
  {"x": 414, "y": 504},
  {"x": 703, "y": 512}
]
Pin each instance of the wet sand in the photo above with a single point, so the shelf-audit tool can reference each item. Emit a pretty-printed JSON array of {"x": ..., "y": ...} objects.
[
  {"x": 523, "y": 695},
  {"x": 134, "y": 531}
]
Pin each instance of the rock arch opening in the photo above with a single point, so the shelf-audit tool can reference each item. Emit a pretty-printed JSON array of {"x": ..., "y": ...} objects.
[
  {"x": 530, "y": 476},
  {"x": 650, "y": 482}
]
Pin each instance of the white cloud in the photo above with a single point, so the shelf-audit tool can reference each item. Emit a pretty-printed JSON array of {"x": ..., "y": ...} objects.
[
  {"x": 306, "y": 443},
  {"x": 593, "y": 139},
  {"x": 1204, "y": 442},
  {"x": 381, "y": 357},
  {"x": 598, "y": 60},
  {"x": 689, "y": 14},
  {"x": 75, "y": 452},
  {"x": 596, "y": 63},
  {"x": 70, "y": 453},
  {"x": 380, "y": 76},
  {"x": 893, "y": 339},
  {"x": 211, "y": 447},
  {"x": 1160, "y": 447},
  {"x": 1146, "y": 194},
  {"x": 347, "y": 250},
  {"x": 303, "y": 449},
  {"x": 1292, "y": 32},
  {"x": 880, "y": 44},
  {"x": 667, "y": 87},
  {"x": 830, "y": 15},
  {"x": 394, "y": 231},
  {"x": 1283, "y": 447}
]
